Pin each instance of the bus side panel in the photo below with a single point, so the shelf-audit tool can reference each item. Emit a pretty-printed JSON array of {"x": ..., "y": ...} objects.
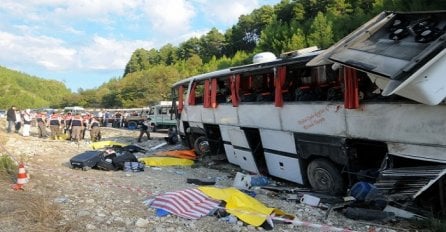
[
  {"x": 242, "y": 150},
  {"x": 207, "y": 114},
  {"x": 278, "y": 140},
  {"x": 419, "y": 152},
  {"x": 226, "y": 114},
  {"x": 194, "y": 113},
  {"x": 403, "y": 123},
  {"x": 229, "y": 149},
  {"x": 259, "y": 116},
  {"x": 281, "y": 155},
  {"x": 314, "y": 118}
]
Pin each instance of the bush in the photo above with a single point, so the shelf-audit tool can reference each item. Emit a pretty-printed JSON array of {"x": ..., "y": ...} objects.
[{"x": 7, "y": 165}]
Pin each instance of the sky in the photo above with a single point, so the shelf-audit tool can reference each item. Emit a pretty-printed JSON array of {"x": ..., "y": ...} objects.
[{"x": 85, "y": 43}]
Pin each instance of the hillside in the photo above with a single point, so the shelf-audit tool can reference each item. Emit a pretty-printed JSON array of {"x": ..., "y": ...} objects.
[{"x": 27, "y": 91}]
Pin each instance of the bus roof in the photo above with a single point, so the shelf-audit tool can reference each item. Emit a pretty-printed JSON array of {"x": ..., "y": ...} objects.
[{"x": 251, "y": 67}]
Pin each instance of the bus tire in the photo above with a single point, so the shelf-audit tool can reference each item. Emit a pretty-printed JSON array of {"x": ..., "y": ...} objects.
[
  {"x": 325, "y": 177},
  {"x": 201, "y": 146}
]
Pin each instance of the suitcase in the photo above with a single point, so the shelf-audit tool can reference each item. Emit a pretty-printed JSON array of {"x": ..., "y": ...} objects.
[
  {"x": 123, "y": 157},
  {"x": 86, "y": 160},
  {"x": 105, "y": 165}
]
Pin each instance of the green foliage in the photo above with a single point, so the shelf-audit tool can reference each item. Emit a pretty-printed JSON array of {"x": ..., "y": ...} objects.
[
  {"x": 27, "y": 91},
  {"x": 212, "y": 44},
  {"x": 245, "y": 34},
  {"x": 321, "y": 32},
  {"x": 281, "y": 36},
  {"x": 139, "y": 61},
  {"x": 7, "y": 165}
]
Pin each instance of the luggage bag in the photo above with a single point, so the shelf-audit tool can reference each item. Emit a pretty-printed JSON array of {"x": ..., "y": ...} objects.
[
  {"x": 86, "y": 160},
  {"x": 123, "y": 157}
]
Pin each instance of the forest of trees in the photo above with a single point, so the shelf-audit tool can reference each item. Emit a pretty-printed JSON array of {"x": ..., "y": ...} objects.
[{"x": 286, "y": 26}]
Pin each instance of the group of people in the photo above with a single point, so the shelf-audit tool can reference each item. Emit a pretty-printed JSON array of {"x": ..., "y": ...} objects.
[
  {"x": 62, "y": 126},
  {"x": 116, "y": 119},
  {"x": 15, "y": 118},
  {"x": 65, "y": 126}
]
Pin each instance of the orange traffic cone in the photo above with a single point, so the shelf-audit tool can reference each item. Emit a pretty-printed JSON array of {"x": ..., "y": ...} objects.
[{"x": 22, "y": 178}]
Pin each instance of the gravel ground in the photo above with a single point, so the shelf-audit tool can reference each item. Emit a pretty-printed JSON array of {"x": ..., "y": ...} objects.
[{"x": 96, "y": 200}]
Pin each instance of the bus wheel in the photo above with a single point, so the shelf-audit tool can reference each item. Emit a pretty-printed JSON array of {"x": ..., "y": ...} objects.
[
  {"x": 153, "y": 128},
  {"x": 325, "y": 177},
  {"x": 201, "y": 146}
]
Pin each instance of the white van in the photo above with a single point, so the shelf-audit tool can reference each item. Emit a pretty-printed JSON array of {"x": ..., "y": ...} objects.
[{"x": 74, "y": 109}]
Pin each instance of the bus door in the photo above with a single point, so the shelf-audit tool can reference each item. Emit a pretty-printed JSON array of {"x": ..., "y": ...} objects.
[{"x": 247, "y": 150}]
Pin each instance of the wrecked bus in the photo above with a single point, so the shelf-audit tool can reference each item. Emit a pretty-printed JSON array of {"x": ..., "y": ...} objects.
[{"x": 369, "y": 108}]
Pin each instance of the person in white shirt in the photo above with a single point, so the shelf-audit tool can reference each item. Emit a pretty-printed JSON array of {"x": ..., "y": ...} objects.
[{"x": 27, "y": 118}]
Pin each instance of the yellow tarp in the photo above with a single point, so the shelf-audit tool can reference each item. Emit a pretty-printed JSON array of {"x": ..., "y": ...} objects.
[
  {"x": 184, "y": 154},
  {"x": 243, "y": 206},
  {"x": 166, "y": 161},
  {"x": 104, "y": 144}
]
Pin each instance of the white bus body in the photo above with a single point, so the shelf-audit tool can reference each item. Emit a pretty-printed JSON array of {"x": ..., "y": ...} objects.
[{"x": 321, "y": 127}]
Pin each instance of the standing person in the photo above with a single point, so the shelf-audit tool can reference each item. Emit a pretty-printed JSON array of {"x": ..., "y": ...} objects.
[
  {"x": 55, "y": 124},
  {"x": 95, "y": 130},
  {"x": 26, "y": 122},
  {"x": 106, "y": 117},
  {"x": 67, "y": 124},
  {"x": 41, "y": 124},
  {"x": 10, "y": 117},
  {"x": 117, "y": 122},
  {"x": 100, "y": 117},
  {"x": 145, "y": 130},
  {"x": 124, "y": 118},
  {"x": 85, "y": 122},
  {"x": 18, "y": 120},
  {"x": 76, "y": 127}
]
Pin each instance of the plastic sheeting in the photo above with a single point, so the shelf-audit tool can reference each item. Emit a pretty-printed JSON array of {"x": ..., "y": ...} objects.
[
  {"x": 166, "y": 161},
  {"x": 104, "y": 144},
  {"x": 184, "y": 154},
  {"x": 245, "y": 207}
]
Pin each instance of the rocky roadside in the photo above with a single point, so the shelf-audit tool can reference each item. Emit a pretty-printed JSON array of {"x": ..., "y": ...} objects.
[{"x": 96, "y": 200}]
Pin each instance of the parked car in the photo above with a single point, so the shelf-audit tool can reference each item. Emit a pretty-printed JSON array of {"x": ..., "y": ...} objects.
[{"x": 2, "y": 113}]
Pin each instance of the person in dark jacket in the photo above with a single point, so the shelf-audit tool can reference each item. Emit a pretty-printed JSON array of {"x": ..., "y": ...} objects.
[
  {"x": 145, "y": 130},
  {"x": 95, "y": 130},
  {"x": 10, "y": 117}
]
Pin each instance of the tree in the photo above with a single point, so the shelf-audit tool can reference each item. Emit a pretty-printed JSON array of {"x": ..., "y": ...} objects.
[
  {"x": 339, "y": 8},
  {"x": 139, "y": 61},
  {"x": 189, "y": 48},
  {"x": 194, "y": 63},
  {"x": 212, "y": 44},
  {"x": 281, "y": 37},
  {"x": 245, "y": 34},
  {"x": 321, "y": 33},
  {"x": 168, "y": 54},
  {"x": 153, "y": 57}
]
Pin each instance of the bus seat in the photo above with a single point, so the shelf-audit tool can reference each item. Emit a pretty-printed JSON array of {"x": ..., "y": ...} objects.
[
  {"x": 266, "y": 96},
  {"x": 248, "y": 97}
]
